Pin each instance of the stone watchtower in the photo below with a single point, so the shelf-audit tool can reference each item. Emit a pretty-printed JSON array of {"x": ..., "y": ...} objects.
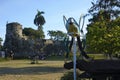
[
  {"x": 14, "y": 30},
  {"x": 13, "y": 36},
  {"x": 21, "y": 46}
]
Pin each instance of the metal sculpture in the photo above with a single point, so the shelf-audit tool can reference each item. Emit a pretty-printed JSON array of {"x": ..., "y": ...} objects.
[{"x": 73, "y": 29}]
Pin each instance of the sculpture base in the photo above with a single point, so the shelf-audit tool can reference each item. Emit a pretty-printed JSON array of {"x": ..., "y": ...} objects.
[{"x": 99, "y": 66}]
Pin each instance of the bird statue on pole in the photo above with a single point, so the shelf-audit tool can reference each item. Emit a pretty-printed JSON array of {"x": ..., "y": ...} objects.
[{"x": 73, "y": 30}]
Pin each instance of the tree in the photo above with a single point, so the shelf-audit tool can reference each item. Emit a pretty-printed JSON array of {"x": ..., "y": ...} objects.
[
  {"x": 104, "y": 40},
  {"x": 40, "y": 21},
  {"x": 1, "y": 43},
  {"x": 59, "y": 35},
  {"x": 1, "y": 40},
  {"x": 104, "y": 29},
  {"x": 51, "y": 34},
  {"x": 109, "y": 7},
  {"x": 31, "y": 33},
  {"x": 56, "y": 35}
]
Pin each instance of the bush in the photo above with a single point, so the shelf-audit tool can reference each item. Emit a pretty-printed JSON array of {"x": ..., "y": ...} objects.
[{"x": 69, "y": 76}]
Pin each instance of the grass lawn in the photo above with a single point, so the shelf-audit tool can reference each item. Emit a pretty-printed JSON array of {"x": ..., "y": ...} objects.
[
  {"x": 50, "y": 69},
  {"x": 23, "y": 70}
]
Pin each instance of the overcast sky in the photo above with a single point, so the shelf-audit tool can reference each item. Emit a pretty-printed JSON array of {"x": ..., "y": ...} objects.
[{"x": 24, "y": 11}]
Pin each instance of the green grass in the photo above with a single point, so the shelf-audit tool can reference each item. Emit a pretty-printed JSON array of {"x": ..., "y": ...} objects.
[
  {"x": 4, "y": 59},
  {"x": 55, "y": 58},
  {"x": 49, "y": 69},
  {"x": 23, "y": 70},
  {"x": 62, "y": 58},
  {"x": 97, "y": 56}
]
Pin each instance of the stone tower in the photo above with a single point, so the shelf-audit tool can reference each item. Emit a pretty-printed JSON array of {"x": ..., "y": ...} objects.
[
  {"x": 22, "y": 46},
  {"x": 16, "y": 42},
  {"x": 13, "y": 36},
  {"x": 14, "y": 30}
]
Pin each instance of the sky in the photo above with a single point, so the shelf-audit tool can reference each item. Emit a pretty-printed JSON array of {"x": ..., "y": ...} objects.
[{"x": 24, "y": 11}]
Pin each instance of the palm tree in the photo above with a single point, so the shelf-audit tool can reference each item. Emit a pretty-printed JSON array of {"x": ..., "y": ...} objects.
[{"x": 40, "y": 21}]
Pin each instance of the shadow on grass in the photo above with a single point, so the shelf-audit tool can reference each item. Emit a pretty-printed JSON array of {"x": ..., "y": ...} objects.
[{"x": 30, "y": 70}]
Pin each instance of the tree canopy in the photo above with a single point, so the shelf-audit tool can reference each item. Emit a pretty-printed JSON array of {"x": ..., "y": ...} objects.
[
  {"x": 1, "y": 39},
  {"x": 56, "y": 35},
  {"x": 109, "y": 7},
  {"x": 104, "y": 29},
  {"x": 31, "y": 33},
  {"x": 1, "y": 43},
  {"x": 39, "y": 21}
]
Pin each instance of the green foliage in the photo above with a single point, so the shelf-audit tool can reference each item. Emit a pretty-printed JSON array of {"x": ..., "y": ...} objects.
[
  {"x": 104, "y": 37},
  {"x": 1, "y": 43},
  {"x": 51, "y": 34},
  {"x": 1, "y": 39},
  {"x": 32, "y": 33},
  {"x": 4, "y": 59},
  {"x": 56, "y": 35},
  {"x": 40, "y": 21},
  {"x": 110, "y": 7},
  {"x": 104, "y": 29}
]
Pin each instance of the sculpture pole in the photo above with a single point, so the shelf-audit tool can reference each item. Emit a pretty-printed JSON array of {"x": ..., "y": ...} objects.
[
  {"x": 73, "y": 30},
  {"x": 74, "y": 58},
  {"x": 74, "y": 43}
]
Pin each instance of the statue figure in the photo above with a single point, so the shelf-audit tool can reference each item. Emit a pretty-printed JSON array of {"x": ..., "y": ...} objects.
[{"x": 73, "y": 30}]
